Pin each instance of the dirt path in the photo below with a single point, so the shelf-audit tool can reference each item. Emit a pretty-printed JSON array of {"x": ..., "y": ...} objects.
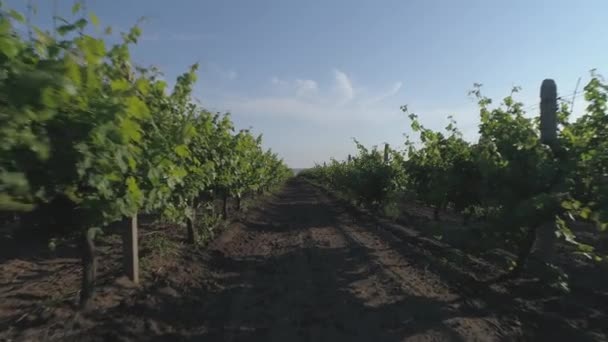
[{"x": 303, "y": 267}]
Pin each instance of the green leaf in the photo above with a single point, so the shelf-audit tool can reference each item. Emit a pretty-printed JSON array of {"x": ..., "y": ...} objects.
[
  {"x": 132, "y": 163},
  {"x": 130, "y": 130},
  {"x": 585, "y": 213},
  {"x": 94, "y": 49},
  {"x": 134, "y": 192},
  {"x": 94, "y": 19},
  {"x": 16, "y": 15},
  {"x": 72, "y": 70},
  {"x": 585, "y": 248},
  {"x": 65, "y": 29},
  {"x": 8, "y": 47},
  {"x": 567, "y": 205},
  {"x": 113, "y": 177},
  {"x": 119, "y": 85},
  {"x": 81, "y": 23},
  {"x": 178, "y": 173},
  {"x": 181, "y": 150},
  {"x": 76, "y": 7},
  {"x": 9, "y": 203},
  {"x": 137, "y": 107},
  {"x": 142, "y": 86}
]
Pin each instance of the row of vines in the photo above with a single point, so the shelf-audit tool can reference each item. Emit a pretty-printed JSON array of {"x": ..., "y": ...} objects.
[
  {"x": 529, "y": 191},
  {"x": 81, "y": 126}
]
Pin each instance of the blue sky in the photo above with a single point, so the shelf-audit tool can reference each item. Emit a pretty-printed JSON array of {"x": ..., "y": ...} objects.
[{"x": 310, "y": 75}]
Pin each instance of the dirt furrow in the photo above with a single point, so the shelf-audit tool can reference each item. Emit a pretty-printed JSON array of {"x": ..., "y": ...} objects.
[{"x": 309, "y": 274}]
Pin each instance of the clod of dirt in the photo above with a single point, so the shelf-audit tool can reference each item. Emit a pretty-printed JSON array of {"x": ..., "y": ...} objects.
[
  {"x": 168, "y": 291},
  {"x": 126, "y": 283},
  {"x": 152, "y": 326}
]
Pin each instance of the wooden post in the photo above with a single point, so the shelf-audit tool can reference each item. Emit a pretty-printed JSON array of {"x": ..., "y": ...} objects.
[
  {"x": 131, "y": 251},
  {"x": 191, "y": 226},
  {"x": 89, "y": 268},
  {"x": 386, "y": 150},
  {"x": 548, "y": 112},
  {"x": 545, "y": 234}
]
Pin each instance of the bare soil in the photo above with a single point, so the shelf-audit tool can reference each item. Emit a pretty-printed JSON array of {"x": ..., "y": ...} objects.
[{"x": 300, "y": 266}]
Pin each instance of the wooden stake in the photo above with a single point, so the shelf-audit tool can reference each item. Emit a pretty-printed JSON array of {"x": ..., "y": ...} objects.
[{"x": 131, "y": 251}]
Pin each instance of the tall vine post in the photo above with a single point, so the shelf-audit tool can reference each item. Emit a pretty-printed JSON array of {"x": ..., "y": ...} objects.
[
  {"x": 386, "y": 153},
  {"x": 545, "y": 234}
]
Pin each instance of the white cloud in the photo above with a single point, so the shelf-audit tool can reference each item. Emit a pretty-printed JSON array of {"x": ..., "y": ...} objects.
[
  {"x": 391, "y": 92},
  {"x": 283, "y": 106},
  {"x": 314, "y": 111},
  {"x": 395, "y": 89},
  {"x": 306, "y": 88},
  {"x": 276, "y": 81},
  {"x": 338, "y": 102},
  {"x": 306, "y": 99},
  {"x": 343, "y": 87},
  {"x": 302, "y": 88},
  {"x": 231, "y": 75}
]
